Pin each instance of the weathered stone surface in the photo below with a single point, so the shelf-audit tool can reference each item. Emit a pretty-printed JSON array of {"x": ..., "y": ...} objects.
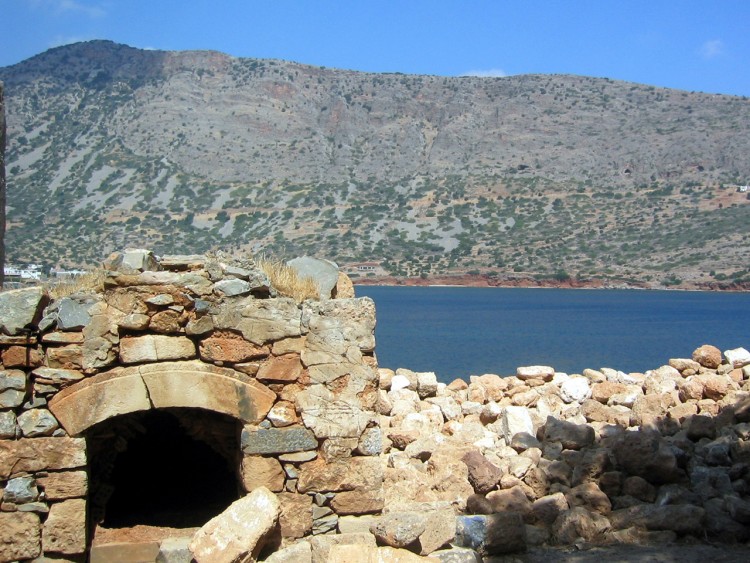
[
  {"x": 155, "y": 347},
  {"x": 257, "y": 471},
  {"x": 165, "y": 322},
  {"x": 20, "y": 308},
  {"x": 439, "y": 531},
  {"x": 22, "y": 357},
  {"x": 324, "y": 272},
  {"x": 29, "y": 455},
  {"x": 358, "y": 502},
  {"x": 483, "y": 475},
  {"x": 363, "y": 473},
  {"x": 8, "y": 425},
  {"x": 20, "y": 536},
  {"x": 283, "y": 414},
  {"x": 457, "y": 555},
  {"x": 37, "y": 422},
  {"x": 738, "y": 357},
  {"x": 371, "y": 442},
  {"x": 399, "y": 529},
  {"x": 510, "y": 500},
  {"x": 680, "y": 518},
  {"x": 300, "y": 552},
  {"x": 260, "y": 320},
  {"x": 295, "y": 517},
  {"x": 370, "y": 554},
  {"x": 646, "y": 455},
  {"x": 708, "y": 356},
  {"x": 344, "y": 287},
  {"x": 73, "y": 313},
  {"x": 338, "y": 328},
  {"x": 575, "y": 389},
  {"x": 64, "y": 485},
  {"x": 65, "y": 528},
  {"x": 174, "y": 550},
  {"x": 238, "y": 532},
  {"x": 65, "y": 357},
  {"x": 579, "y": 523},
  {"x": 590, "y": 496},
  {"x": 230, "y": 348},
  {"x": 57, "y": 376},
  {"x": 493, "y": 534},
  {"x": 12, "y": 388},
  {"x": 232, "y": 287},
  {"x": 571, "y": 436},
  {"x": 535, "y": 372},
  {"x": 263, "y": 441},
  {"x": 329, "y": 415},
  {"x": 21, "y": 490},
  {"x": 548, "y": 508},
  {"x": 282, "y": 368},
  {"x": 321, "y": 545},
  {"x": 514, "y": 420}
]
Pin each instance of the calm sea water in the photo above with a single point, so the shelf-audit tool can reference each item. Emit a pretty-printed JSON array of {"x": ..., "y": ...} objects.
[{"x": 457, "y": 332}]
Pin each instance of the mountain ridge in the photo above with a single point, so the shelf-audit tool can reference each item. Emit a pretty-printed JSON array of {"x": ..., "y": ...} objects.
[{"x": 424, "y": 174}]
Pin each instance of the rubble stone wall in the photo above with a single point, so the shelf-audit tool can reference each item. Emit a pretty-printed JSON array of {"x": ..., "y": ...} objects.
[{"x": 185, "y": 332}]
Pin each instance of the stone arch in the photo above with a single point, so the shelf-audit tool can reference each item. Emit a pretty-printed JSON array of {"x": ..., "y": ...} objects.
[{"x": 192, "y": 384}]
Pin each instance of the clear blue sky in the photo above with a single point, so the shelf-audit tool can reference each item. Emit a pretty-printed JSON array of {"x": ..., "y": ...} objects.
[{"x": 701, "y": 45}]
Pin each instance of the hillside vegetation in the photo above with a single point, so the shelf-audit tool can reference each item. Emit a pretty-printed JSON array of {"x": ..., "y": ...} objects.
[{"x": 539, "y": 175}]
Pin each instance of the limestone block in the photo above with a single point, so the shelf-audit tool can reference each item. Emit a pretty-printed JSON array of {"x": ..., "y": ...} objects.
[
  {"x": 358, "y": 502},
  {"x": 283, "y": 414},
  {"x": 155, "y": 347},
  {"x": 122, "y": 552},
  {"x": 296, "y": 518},
  {"x": 336, "y": 326},
  {"x": 22, "y": 357},
  {"x": 398, "y": 529},
  {"x": 64, "y": 485},
  {"x": 134, "y": 321},
  {"x": 37, "y": 422},
  {"x": 20, "y": 536},
  {"x": 257, "y": 471},
  {"x": 362, "y": 473},
  {"x": 98, "y": 398},
  {"x": 571, "y": 436},
  {"x": 514, "y": 420},
  {"x": 371, "y": 442},
  {"x": 65, "y": 357},
  {"x": 324, "y": 272},
  {"x": 65, "y": 528},
  {"x": 575, "y": 390},
  {"x": 264, "y": 441},
  {"x": 239, "y": 532},
  {"x": 20, "y": 308},
  {"x": 195, "y": 384},
  {"x": 737, "y": 358},
  {"x": 261, "y": 320},
  {"x": 283, "y": 368},
  {"x": 29, "y": 455},
  {"x": 328, "y": 415},
  {"x": 288, "y": 346},
  {"x": 230, "y": 348}
]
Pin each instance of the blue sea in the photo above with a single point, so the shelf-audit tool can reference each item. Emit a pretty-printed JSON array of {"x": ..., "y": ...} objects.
[{"x": 462, "y": 331}]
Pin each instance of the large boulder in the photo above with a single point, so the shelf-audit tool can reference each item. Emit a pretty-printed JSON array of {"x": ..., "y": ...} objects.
[{"x": 324, "y": 272}]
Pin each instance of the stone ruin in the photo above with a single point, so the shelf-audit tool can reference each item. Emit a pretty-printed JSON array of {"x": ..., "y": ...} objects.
[{"x": 181, "y": 386}]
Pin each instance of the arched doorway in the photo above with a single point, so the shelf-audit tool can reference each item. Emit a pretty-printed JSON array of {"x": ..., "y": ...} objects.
[{"x": 174, "y": 468}]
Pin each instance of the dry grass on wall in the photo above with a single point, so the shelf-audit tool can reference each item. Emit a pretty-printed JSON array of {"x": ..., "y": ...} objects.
[{"x": 286, "y": 280}]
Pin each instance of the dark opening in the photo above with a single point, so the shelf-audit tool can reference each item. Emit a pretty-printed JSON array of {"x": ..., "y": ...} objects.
[{"x": 171, "y": 467}]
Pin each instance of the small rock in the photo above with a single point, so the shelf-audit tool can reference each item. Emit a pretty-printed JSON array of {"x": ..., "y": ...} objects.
[{"x": 708, "y": 356}]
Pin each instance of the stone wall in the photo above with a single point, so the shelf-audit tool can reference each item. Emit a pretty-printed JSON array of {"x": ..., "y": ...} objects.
[{"x": 184, "y": 332}]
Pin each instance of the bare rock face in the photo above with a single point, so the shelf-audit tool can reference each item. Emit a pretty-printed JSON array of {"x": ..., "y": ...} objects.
[
  {"x": 239, "y": 532},
  {"x": 483, "y": 475},
  {"x": 19, "y": 536}
]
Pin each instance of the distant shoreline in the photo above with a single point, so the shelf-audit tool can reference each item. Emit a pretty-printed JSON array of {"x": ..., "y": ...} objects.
[{"x": 483, "y": 280}]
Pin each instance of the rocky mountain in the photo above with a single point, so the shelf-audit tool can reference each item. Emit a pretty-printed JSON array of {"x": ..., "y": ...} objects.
[{"x": 544, "y": 176}]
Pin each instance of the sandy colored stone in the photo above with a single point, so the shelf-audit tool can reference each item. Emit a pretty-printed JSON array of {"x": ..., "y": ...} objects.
[
  {"x": 358, "y": 502},
  {"x": 230, "y": 348},
  {"x": 321, "y": 545},
  {"x": 296, "y": 519},
  {"x": 155, "y": 347},
  {"x": 288, "y": 346},
  {"x": 64, "y": 485},
  {"x": 371, "y": 554},
  {"x": 257, "y": 471},
  {"x": 707, "y": 356},
  {"x": 65, "y": 357},
  {"x": 239, "y": 532},
  {"x": 282, "y": 368},
  {"x": 20, "y": 536},
  {"x": 65, "y": 528},
  {"x": 510, "y": 500},
  {"x": 282, "y": 414},
  {"x": 344, "y": 287},
  {"x": 29, "y": 455}
]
